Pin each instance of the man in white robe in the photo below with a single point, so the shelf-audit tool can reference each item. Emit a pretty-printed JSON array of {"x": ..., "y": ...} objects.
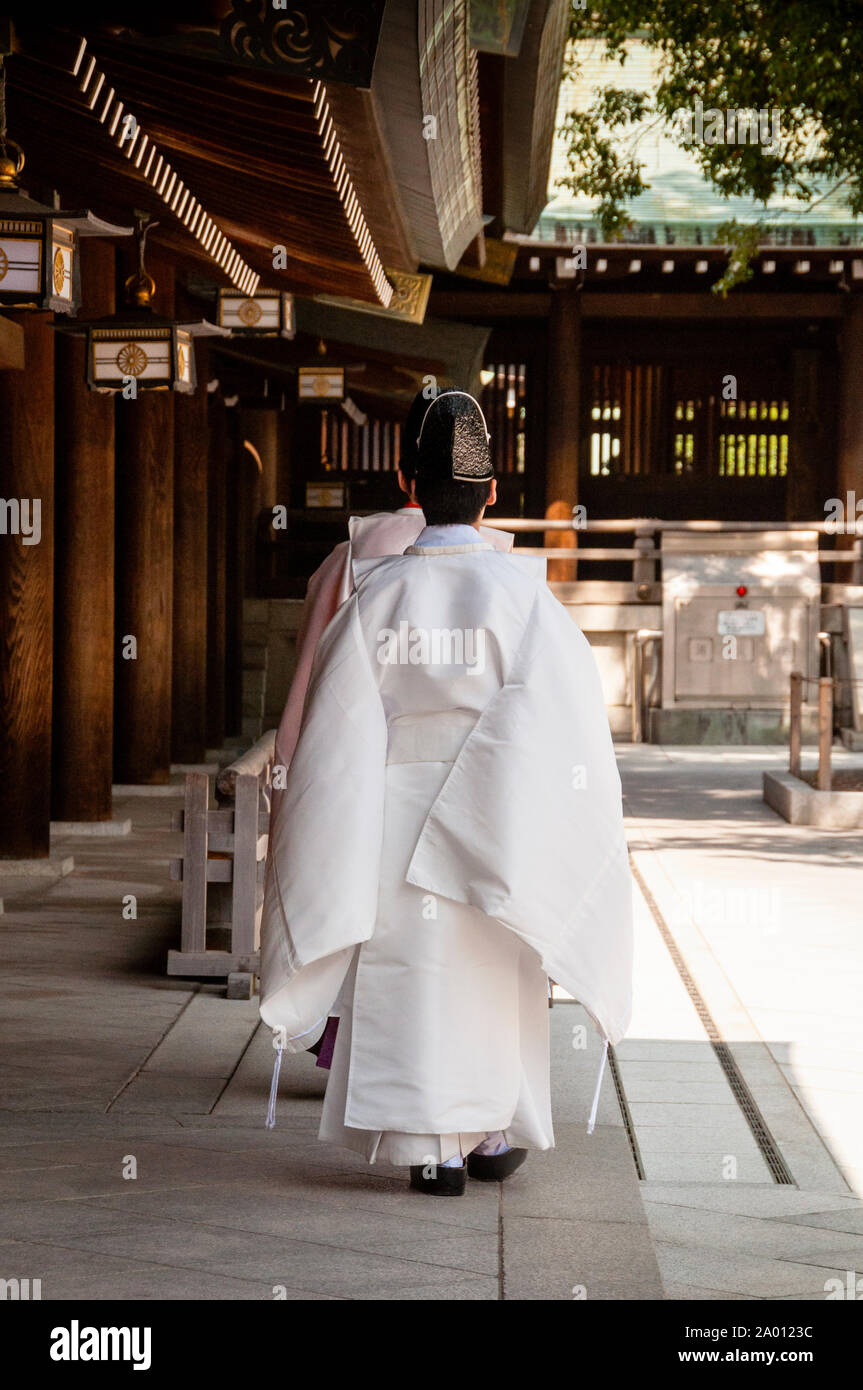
[{"x": 451, "y": 834}]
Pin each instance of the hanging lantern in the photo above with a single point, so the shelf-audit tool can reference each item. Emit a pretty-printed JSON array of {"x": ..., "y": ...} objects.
[
  {"x": 39, "y": 266},
  {"x": 147, "y": 348},
  {"x": 138, "y": 345},
  {"x": 321, "y": 383},
  {"x": 265, "y": 314}
]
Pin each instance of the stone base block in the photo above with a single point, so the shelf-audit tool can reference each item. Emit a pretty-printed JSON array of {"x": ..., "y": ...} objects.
[
  {"x": 732, "y": 726},
  {"x": 800, "y": 804},
  {"x": 53, "y": 866},
  {"x": 91, "y": 827},
  {"x": 144, "y": 789}
]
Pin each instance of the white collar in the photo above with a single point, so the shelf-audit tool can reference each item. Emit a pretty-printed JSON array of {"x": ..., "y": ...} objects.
[{"x": 457, "y": 534}]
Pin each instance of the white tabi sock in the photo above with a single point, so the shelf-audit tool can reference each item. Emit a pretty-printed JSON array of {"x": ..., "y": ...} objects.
[{"x": 493, "y": 1144}]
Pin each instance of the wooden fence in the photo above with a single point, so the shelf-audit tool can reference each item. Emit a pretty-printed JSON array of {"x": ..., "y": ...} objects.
[
  {"x": 825, "y": 727},
  {"x": 222, "y": 870}
]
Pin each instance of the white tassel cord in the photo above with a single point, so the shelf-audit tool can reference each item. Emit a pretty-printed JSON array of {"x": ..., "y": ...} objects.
[
  {"x": 280, "y": 1041},
  {"x": 274, "y": 1087},
  {"x": 271, "y": 1109},
  {"x": 593, "y": 1109}
]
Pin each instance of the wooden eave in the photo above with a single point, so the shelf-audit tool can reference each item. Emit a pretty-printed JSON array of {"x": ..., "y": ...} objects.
[
  {"x": 456, "y": 348},
  {"x": 260, "y": 152},
  {"x": 425, "y": 68},
  {"x": 531, "y": 84}
]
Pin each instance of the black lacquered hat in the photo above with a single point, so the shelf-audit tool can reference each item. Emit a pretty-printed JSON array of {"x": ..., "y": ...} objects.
[{"x": 453, "y": 441}]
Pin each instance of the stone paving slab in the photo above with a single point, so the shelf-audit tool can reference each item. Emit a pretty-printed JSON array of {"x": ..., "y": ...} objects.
[
  {"x": 70, "y": 1274},
  {"x": 580, "y": 1260},
  {"x": 746, "y": 1275},
  {"x": 747, "y": 1199}
]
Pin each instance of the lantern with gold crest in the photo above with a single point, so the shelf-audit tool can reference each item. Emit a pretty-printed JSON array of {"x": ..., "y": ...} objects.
[
  {"x": 137, "y": 345},
  {"x": 265, "y": 314},
  {"x": 39, "y": 266}
]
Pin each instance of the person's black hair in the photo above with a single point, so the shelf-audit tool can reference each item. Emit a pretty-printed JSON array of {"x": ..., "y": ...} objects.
[{"x": 448, "y": 503}]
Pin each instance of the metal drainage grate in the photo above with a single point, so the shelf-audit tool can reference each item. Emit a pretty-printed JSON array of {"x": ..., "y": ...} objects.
[
  {"x": 624, "y": 1110},
  {"x": 767, "y": 1145}
]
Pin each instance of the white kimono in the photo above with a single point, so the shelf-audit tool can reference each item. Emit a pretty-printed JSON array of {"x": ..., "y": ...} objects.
[
  {"x": 450, "y": 834},
  {"x": 381, "y": 533}
]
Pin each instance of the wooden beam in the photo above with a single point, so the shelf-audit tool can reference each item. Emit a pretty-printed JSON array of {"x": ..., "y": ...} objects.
[
  {"x": 710, "y": 306},
  {"x": 27, "y": 593},
  {"x": 474, "y": 306}
]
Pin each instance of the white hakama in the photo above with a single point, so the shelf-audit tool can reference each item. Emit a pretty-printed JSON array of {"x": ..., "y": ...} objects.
[{"x": 461, "y": 1049}]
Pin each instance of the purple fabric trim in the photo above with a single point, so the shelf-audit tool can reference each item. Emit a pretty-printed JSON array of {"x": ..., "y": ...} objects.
[{"x": 328, "y": 1042}]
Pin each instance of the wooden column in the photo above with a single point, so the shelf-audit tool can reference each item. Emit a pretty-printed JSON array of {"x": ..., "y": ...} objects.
[
  {"x": 257, "y": 486},
  {"x": 216, "y": 556},
  {"x": 811, "y": 447},
  {"x": 84, "y": 566},
  {"x": 563, "y": 421},
  {"x": 27, "y": 593},
  {"x": 144, "y": 573},
  {"x": 261, "y": 428},
  {"x": 189, "y": 686},
  {"x": 238, "y": 462},
  {"x": 557, "y": 570},
  {"x": 563, "y": 417},
  {"x": 850, "y": 471}
]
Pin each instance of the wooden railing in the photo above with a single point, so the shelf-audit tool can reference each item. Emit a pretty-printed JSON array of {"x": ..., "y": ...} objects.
[
  {"x": 225, "y": 848},
  {"x": 646, "y": 551}
]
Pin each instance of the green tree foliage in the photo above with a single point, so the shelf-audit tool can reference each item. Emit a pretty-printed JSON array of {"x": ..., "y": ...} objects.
[{"x": 802, "y": 58}]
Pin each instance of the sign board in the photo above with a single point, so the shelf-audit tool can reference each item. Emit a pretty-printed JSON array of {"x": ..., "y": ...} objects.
[
  {"x": 325, "y": 494},
  {"x": 740, "y": 622}
]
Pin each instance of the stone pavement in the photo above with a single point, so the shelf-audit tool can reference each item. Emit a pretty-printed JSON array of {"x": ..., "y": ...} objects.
[
  {"x": 768, "y": 920},
  {"x": 134, "y": 1162}
]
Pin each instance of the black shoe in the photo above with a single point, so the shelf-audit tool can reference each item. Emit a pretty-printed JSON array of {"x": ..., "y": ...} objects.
[
  {"x": 447, "y": 1182},
  {"x": 495, "y": 1167}
]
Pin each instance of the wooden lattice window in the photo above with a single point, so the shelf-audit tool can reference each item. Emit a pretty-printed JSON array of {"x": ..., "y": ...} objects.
[
  {"x": 626, "y": 419},
  {"x": 753, "y": 439},
  {"x": 347, "y": 447},
  {"x": 504, "y": 404},
  {"x": 728, "y": 439},
  {"x": 647, "y": 418}
]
